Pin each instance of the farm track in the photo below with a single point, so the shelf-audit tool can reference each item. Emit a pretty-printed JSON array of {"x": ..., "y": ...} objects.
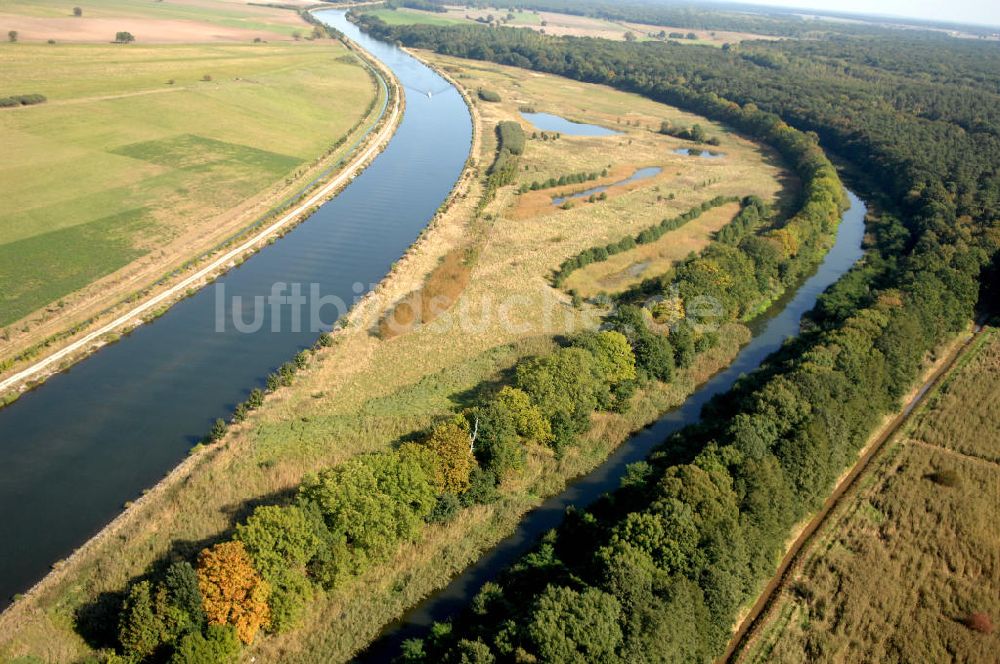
[
  {"x": 754, "y": 618},
  {"x": 952, "y": 453}
]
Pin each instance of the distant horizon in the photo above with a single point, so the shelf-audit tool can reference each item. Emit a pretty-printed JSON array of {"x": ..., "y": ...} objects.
[{"x": 977, "y": 13}]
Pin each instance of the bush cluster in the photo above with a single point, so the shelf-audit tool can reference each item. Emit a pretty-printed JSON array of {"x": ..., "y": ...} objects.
[
  {"x": 652, "y": 234},
  {"x": 562, "y": 180},
  {"x": 489, "y": 95},
  {"x": 21, "y": 100}
]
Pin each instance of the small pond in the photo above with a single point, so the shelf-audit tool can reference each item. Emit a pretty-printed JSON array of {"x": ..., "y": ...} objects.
[
  {"x": 698, "y": 152},
  {"x": 641, "y": 174},
  {"x": 550, "y": 122}
]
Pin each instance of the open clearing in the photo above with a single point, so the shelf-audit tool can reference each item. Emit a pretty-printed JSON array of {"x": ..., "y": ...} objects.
[
  {"x": 364, "y": 393},
  {"x": 911, "y": 553},
  {"x": 136, "y": 163},
  {"x": 563, "y": 25},
  {"x": 628, "y": 268}
]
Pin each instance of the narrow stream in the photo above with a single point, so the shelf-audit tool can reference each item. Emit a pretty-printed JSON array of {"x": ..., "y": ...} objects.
[
  {"x": 76, "y": 449},
  {"x": 776, "y": 326},
  {"x": 640, "y": 174}
]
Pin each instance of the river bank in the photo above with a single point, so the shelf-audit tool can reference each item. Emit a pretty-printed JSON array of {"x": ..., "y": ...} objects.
[
  {"x": 61, "y": 346},
  {"x": 110, "y": 465}
]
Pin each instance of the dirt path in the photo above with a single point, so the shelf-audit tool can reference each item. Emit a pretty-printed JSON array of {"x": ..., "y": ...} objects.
[
  {"x": 356, "y": 165},
  {"x": 953, "y": 453},
  {"x": 754, "y": 617}
]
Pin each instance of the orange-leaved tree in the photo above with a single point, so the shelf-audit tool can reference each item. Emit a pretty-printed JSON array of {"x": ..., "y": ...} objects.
[{"x": 232, "y": 590}]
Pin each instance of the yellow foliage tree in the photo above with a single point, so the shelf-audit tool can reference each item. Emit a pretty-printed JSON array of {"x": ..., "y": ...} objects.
[
  {"x": 452, "y": 444},
  {"x": 232, "y": 590}
]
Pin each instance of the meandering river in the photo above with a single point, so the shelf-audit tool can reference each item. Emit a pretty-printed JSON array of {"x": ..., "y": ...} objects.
[
  {"x": 771, "y": 330},
  {"x": 76, "y": 449}
]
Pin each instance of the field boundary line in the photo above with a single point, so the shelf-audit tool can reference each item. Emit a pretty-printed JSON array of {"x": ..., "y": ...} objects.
[{"x": 950, "y": 452}]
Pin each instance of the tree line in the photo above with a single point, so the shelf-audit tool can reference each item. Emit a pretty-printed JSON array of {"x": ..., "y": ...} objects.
[
  {"x": 646, "y": 236},
  {"x": 510, "y": 146},
  {"x": 562, "y": 180},
  {"x": 345, "y": 518}
]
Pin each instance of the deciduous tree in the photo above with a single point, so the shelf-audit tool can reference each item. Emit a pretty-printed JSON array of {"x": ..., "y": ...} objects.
[{"x": 232, "y": 590}]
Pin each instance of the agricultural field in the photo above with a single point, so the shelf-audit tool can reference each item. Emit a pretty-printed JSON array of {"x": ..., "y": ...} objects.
[
  {"x": 176, "y": 21},
  {"x": 559, "y": 24},
  {"x": 906, "y": 568},
  {"x": 415, "y": 17},
  {"x": 146, "y": 155},
  {"x": 368, "y": 392}
]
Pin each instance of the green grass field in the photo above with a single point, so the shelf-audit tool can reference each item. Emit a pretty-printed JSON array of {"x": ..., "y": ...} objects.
[
  {"x": 120, "y": 161},
  {"x": 415, "y": 17},
  {"x": 911, "y": 554}
]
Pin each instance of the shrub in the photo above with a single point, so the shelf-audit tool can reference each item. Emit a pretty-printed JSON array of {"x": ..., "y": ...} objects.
[
  {"x": 511, "y": 137},
  {"x": 445, "y": 509},
  {"x": 948, "y": 478},
  {"x": 489, "y": 95},
  {"x": 979, "y": 622},
  {"x": 124, "y": 37},
  {"x": 219, "y": 645},
  {"x": 21, "y": 100}
]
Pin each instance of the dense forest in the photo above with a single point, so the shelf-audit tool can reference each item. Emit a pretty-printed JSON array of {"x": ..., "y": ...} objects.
[
  {"x": 659, "y": 570},
  {"x": 762, "y": 20}
]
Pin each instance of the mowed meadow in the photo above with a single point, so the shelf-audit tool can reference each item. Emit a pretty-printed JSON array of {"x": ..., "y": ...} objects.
[
  {"x": 907, "y": 568},
  {"x": 155, "y": 152}
]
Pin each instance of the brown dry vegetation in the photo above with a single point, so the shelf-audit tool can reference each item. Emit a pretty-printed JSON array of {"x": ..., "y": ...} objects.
[
  {"x": 631, "y": 267},
  {"x": 364, "y": 393},
  {"x": 908, "y": 567}
]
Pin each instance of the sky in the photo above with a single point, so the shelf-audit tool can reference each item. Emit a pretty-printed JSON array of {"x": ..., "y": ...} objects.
[{"x": 982, "y": 12}]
